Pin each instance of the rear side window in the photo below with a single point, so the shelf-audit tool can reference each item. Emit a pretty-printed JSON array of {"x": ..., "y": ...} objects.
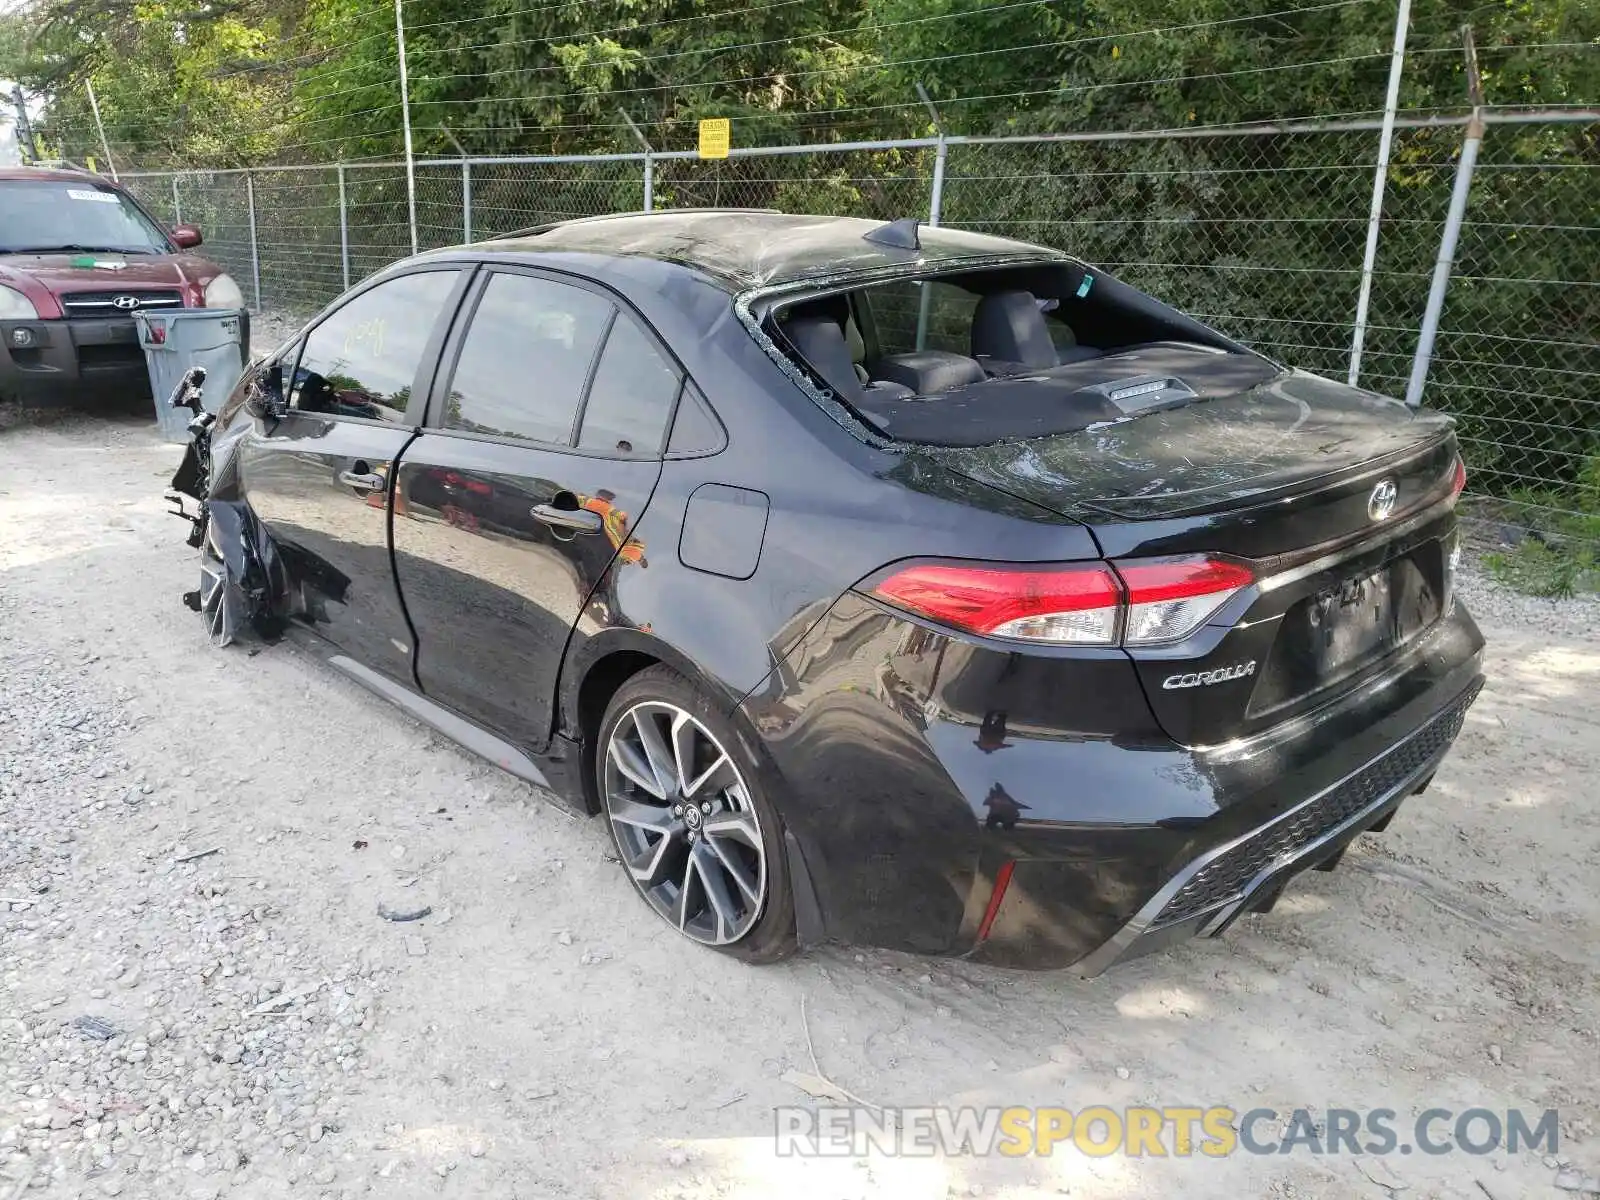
[
  {"x": 630, "y": 400},
  {"x": 526, "y": 358},
  {"x": 696, "y": 429},
  {"x": 361, "y": 360}
]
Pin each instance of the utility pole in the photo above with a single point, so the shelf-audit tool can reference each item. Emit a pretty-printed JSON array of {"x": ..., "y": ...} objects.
[
  {"x": 405, "y": 121},
  {"x": 27, "y": 143},
  {"x": 105, "y": 145}
]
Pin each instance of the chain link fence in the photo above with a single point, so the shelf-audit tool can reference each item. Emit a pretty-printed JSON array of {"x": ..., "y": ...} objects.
[{"x": 1260, "y": 232}]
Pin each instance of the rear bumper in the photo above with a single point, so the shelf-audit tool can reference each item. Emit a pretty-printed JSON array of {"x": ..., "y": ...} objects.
[
  {"x": 61, "y": 358},
  {"x": 1249, "y": 872},
  {"x": 917, "y": 784}
]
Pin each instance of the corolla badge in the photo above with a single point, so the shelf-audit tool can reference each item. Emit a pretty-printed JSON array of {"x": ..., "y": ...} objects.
[
  {"x": 1206, "y": 678},
  {"x": 1381, "y": 503}
]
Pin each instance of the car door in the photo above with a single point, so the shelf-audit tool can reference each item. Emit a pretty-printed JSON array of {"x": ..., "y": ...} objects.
[
  {"x": 541, "y": 451},
  {"x": 318, "y": 478}
]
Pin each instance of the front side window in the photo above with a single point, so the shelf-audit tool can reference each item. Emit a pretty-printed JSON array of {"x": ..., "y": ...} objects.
[
  {"x": 526, "y": 359},
  {"x": 68, "y": 216},
  {"x": 361, "y": 360}
]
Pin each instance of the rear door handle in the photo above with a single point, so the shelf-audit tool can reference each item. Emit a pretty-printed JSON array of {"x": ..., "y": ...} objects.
[
  {"x": 578, "y": 520},
  {"x": 365, "y": 482}
]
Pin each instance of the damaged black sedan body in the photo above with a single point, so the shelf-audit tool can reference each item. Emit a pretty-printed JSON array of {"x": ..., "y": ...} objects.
[{"x": 901, "y": 586}]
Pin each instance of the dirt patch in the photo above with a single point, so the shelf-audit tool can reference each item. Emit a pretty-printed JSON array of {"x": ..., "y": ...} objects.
[{"x": 537, "y": 1034}]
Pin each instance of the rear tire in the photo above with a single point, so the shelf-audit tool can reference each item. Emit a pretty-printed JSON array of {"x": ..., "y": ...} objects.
[{"x": 689, "y": 811}]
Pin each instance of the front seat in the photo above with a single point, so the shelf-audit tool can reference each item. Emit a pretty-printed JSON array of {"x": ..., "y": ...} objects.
[{"x": 1009, "y": 336}]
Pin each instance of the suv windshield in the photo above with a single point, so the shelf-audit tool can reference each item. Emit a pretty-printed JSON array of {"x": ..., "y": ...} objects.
[{"x": 38, "y": 215}]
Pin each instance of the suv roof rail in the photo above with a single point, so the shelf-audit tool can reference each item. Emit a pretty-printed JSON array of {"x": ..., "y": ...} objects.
[{"x": 536, "y": 230}]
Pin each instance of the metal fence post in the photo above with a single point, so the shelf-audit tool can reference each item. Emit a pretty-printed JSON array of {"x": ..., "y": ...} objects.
[
  {"x": 1380, "y": 179},
  {"x": 649, "y": 163},
  {"x": 1452, "y": 228},
  {"x": 466, "y": 202},
  {"x": 1444, "y": 264},
  {"x": 941, "y": 154},
  {"x": 177, "y": 209},
  {"x": 255, "y": 252},
  {"x": 1447, "y": 244},
  {"x": 344, "y": 232},
  {"x": 405, "y": 121}
]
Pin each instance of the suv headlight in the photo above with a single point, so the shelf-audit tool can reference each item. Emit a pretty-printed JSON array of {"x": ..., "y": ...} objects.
[
  {"x": 14, "y": 306},
  {"x": 223, "y": 292}
]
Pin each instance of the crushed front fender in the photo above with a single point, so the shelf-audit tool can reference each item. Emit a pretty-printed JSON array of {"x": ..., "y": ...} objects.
[{"x": 243, "y": 584}]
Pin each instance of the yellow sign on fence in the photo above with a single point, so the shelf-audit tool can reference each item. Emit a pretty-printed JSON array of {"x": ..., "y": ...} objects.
[{"x": 716, "y": 135}]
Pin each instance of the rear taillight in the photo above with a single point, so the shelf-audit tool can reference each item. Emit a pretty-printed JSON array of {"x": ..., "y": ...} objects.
[
  {"x": 1171, "y": 598},
  {"x": 1145, "y": 603},
  {"x": 1072, "y": 605},
  {"x": 1458, "y": 484}
]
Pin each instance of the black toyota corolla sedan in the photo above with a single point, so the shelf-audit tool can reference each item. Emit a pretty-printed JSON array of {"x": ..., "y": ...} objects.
[{"x": 890, "y": 584}]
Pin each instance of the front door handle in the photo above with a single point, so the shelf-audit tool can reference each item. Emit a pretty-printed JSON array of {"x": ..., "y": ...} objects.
[
  {"x": 363, "y": 482},
  {"x": 578, "y": 520}
]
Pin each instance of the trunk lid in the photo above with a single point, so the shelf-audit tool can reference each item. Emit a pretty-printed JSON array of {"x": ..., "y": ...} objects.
[
  {"x": 1196, "y": 477},
  {"x": 1341, "y": 500}
]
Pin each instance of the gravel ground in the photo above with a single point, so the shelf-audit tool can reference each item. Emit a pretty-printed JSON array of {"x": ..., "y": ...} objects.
[{"x": 198, "y": 998}]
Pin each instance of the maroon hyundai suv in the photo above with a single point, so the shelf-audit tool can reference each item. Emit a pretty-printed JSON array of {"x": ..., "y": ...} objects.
[{"x": 78, "y": 257}]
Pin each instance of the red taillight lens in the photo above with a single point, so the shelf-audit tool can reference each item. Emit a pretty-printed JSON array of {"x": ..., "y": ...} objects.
[
  {"x": 1141, "y": 603},
  {"x": 1075, "y": 605},
  {"x": 1168, "y": 599},
  {"x": 1459, "y": 483}
]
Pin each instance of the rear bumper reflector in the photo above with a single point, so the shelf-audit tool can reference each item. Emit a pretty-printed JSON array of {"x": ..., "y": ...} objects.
[{"x": 1002, "y": 880}]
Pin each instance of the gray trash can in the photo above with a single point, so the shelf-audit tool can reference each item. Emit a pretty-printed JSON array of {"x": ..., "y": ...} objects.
[{"x": 217, "y": 339}]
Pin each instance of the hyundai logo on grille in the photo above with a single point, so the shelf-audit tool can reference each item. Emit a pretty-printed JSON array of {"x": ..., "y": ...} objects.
[
  {"x": 126, "y": 303},
  {"x": 1381, "y": 503}
]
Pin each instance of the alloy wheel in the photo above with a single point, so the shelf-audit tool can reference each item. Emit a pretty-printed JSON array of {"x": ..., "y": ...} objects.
[
  {"x": 219, "y": 602},
  {"x": 685, "y": 823}
]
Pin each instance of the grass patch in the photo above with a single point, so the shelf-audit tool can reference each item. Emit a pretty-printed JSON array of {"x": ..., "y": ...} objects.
[{"x": 1560, "y": 554}]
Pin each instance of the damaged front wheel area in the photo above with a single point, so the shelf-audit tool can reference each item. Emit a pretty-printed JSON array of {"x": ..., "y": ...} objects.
[
  {"x": 234, "y": 590},
  {"x": 219, "y": 598}
]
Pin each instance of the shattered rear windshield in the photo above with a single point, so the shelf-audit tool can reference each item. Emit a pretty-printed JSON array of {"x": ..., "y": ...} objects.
[{"x": 1020, "y": 351}]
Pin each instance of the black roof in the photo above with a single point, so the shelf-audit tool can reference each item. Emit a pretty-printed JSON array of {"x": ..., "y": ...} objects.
[{"x": 748, "y": 248}]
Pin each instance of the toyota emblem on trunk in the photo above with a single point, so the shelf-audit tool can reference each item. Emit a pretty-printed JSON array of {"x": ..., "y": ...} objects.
[
  {"x": 126, "y": 303},
  {"x": 1381, "y": 503}
]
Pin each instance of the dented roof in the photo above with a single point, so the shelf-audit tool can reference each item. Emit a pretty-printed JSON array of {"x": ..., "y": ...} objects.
[{"x": 747, "y": 248}]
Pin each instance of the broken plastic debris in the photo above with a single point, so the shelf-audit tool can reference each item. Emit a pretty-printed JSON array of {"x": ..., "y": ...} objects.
[
  {"x": 403, "y": 914},
  {"x": 98, "y": 1028}
]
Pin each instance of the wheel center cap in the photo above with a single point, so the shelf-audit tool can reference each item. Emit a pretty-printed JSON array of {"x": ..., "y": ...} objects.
[{"x": 691, "y": 816}]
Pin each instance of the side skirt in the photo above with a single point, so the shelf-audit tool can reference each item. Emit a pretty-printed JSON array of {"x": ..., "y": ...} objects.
[{"x": 458, "y": 729}]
